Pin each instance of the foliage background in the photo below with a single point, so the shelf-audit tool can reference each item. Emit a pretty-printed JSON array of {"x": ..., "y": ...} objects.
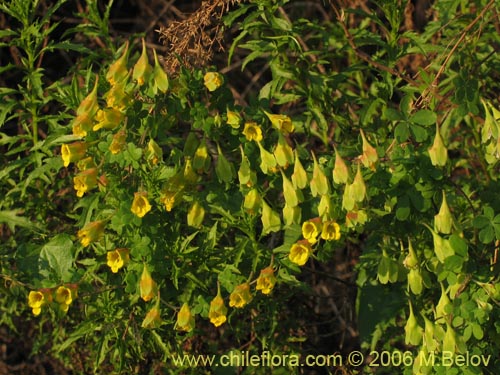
[{"x": 336, "y": 81}]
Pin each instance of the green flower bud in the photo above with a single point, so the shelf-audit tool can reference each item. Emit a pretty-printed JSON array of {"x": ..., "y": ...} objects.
[
  {"x": 252, "y": 202},
  {"x": 443, "y": 221},
  {"x": 291, "y": 195},
  {"x": 299, "y": 176},
  {"x": 442, "y": 306},
  {"x": 369, "y": 157},
  {"x": 340, "y": 170},
  {"x": 292, "y": 215},
  {"x": 268, "y": 161},
  {"x": 201, "y": 158},
  {"x": 413, "y": 332},
  {"x": 195, "y": 215},
  {"x": 283, "y": 152},
  {"x": 319, "y": 182},
  {"x": 411, "y": 260},
  {"x": 449, "y": 340},
  {"x": 160, "y": 78},
  {"x": 271, "y": 221},
  {"x": 415, "y": 281},
  {"x": 224, "y": 168},
  {"x": 438, "y": 152},
  {"x": 142, "y": 69}
]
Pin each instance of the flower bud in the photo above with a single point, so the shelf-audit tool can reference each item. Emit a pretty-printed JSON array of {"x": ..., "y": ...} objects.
[
  {"x": 246, "y": 176},
  {"x": 283, "y": 152},
  {"x": 289, "y": 192},
  {"x": 340, "y": 170},
  {"x": 118, "y": 71},
  {"x": 195, "y": 215},
  {"x": 429, "y": 333},
  {"x": 443, "y": 221},
  {"x": 185, "y": 320},
  {"x": 442, "y": 307},
  {"x": 358, "y": 187},
  {"x": 152, "y": 319},
  {"x": 442, "y": 247},
  {"x": 415, "y": 281},
  {"x": 325, "y": 208},
  {"x": 449, "y": 340},
  {"x": 147, "y": 286},
  {"x": 413, "y": 332},
  {"x": 319, "y": 182},
  {"x": 271, "y": 221},
  {"x": 299, "y": 176},
  {"x": 153, "y": 153},
  {"x": 160, "y": 78},
  {"x": 438, "y": 152},
  {"x": 201, "y": 158},
  {"x": 268, "y": 161},
  {"x": 291, "y": 215},
  {"x": 369, "y": 157},
  {"x": 411, "y": 260},
  {"x": 142, "y": 69},
  {"x": 119, "y": 141},
  {"x": 89, "y": 105},
  {"x": 223, "y": 168},
  {"x": 252, "y": 202}
]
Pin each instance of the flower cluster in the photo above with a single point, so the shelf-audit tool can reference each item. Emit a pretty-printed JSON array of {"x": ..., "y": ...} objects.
[{"x": 63, "y": 296}]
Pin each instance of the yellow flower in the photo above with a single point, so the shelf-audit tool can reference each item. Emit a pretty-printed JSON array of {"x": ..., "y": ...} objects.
[
  {"x": 281, "y": 122},
  {"x": 85, "y": 181},
  {"x": 117, "y": 97},
  {"x": 36, "y": 299},
  {"x": 266, "y": 280},
  {"x": 140, "y": 205},
  {"x": 300, "y": 252},
  {"x": 233, "y": 119},
  {"x": 168, "y": 199},
  {"x": 142, "y": 69},
  {"x": 152, "y": 319},
  {"x": 118, "y": 70},
  {"x": 311, "y": 230},
  {"x": 252, "y": 132},
  {"x": 154, "y": 153},
  {"x": 108, "y": 118},
  {"x": 213, "y": 81},
  {"x": 117, "y": 259},
  {"x": 217, "y": 312},
  {"x": 331, "y": 231},
  {"x": 147, "y": 286},
  {"x": 118, "y": 142},
  {"x": 64, "y": 297},
  {"x": 91, "y": 232},
  {"x": 81, "y": 125},
  {"x": 240, "y": 296},
  {"x": 73, "y": 152},
  {"x": 185, "y": 320}
]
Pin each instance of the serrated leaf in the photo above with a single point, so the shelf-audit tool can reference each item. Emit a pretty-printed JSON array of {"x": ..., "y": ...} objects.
[{"x": 57, "y": 255}]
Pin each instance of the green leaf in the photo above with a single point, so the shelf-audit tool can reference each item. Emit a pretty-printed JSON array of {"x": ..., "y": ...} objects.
[
  {"x": 424, "y": 117},
  {"x": 57, "y": 256},
  {"x": 11, "y": 218}
]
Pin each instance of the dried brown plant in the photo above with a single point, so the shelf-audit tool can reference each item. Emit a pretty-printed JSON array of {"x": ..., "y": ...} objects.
[{"x": 192, "y": 41}]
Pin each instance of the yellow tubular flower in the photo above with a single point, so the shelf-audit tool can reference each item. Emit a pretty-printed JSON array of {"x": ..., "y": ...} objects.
[
  {"x": 185, "y": 320},
  {"x": 233, "y": 119},
  {"x": 117, "y": 259},
  {"x": 266, "y": 280},
  {"x": 281, "y": 122},
  {"x": 91, "y": 232},
  {"x": 140, "y": 205},
  {"x": 300, "y": 252},
  {"x": 118, "y": 142},
  {"x": 331, "y": 231},
  {"x": 64, "y": 296},
  {"x": 117, "y": 97},
  {"x": 240, "y": 296},
  {"x": 252, "y": 132},
  {"x": 36, "y": 300},
  {"x": 73, "y": 152},
  {"x": 311, "y": 230},
  {"x": 213, "y": 81},
  {"x": 218, "y": 311},
  {"x": 89, "y": 105},
  {"x": 81, "y": 125},
  {"x": 168, "y": 199},
  {"x": 108, "y": 118},
  {"x": 85, "y": 181},
  {"x": 147, "y": 286}
]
